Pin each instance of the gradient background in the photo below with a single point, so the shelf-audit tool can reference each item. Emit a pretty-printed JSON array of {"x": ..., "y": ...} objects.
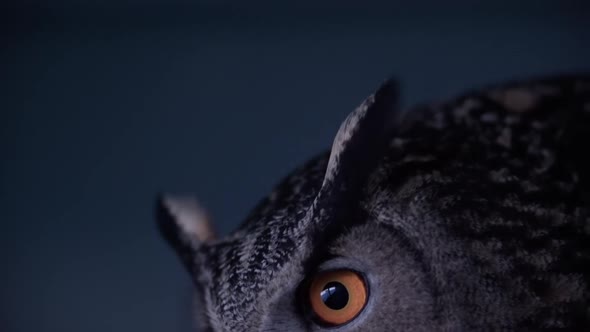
[{"x": 105, "y": 103}]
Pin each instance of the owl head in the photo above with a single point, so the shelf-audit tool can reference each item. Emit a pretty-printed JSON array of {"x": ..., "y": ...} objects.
[{"x": 466, "y": 215}]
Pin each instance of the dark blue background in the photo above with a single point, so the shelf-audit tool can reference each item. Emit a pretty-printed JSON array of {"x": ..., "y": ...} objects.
[{"x": 103, "y": 105}]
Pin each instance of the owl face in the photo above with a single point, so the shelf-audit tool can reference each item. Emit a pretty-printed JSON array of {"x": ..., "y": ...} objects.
[{"x": 465, "y": 216}]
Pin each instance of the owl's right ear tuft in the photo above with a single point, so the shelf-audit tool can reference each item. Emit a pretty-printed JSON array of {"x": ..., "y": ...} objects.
[
  {"x": 364, "y": 136},
  {"x": 184, "y": 225}
]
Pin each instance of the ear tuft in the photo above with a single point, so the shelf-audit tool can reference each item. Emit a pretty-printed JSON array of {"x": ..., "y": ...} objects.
[
  {"x": 184, "y": 224},
  {"x": 189, "y": 216},
  {"x": 363, "y": 136}
]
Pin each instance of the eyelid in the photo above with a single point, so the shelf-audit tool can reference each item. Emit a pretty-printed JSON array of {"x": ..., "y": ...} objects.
[{"x": 342, "y": 263}]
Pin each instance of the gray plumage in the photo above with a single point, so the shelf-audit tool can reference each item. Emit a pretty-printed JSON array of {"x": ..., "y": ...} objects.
[{"x": 468, "y": 215}]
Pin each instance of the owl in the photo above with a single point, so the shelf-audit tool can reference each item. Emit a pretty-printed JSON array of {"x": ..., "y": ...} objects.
[{"x": 469, "y": 214}]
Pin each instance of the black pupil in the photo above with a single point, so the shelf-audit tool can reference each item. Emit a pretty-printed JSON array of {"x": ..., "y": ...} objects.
[{"x": 334, "y": 295}]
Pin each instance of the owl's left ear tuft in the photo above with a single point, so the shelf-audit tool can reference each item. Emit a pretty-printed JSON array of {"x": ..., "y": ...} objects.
[{"x": 184, "y": 224}]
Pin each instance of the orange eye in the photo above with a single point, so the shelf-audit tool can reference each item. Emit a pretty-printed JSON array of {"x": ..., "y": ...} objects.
[{"x": 337, "y": 297}]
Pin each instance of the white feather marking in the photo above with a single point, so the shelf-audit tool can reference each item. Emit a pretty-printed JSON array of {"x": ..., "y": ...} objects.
[{"x": 191, "y": 217}]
